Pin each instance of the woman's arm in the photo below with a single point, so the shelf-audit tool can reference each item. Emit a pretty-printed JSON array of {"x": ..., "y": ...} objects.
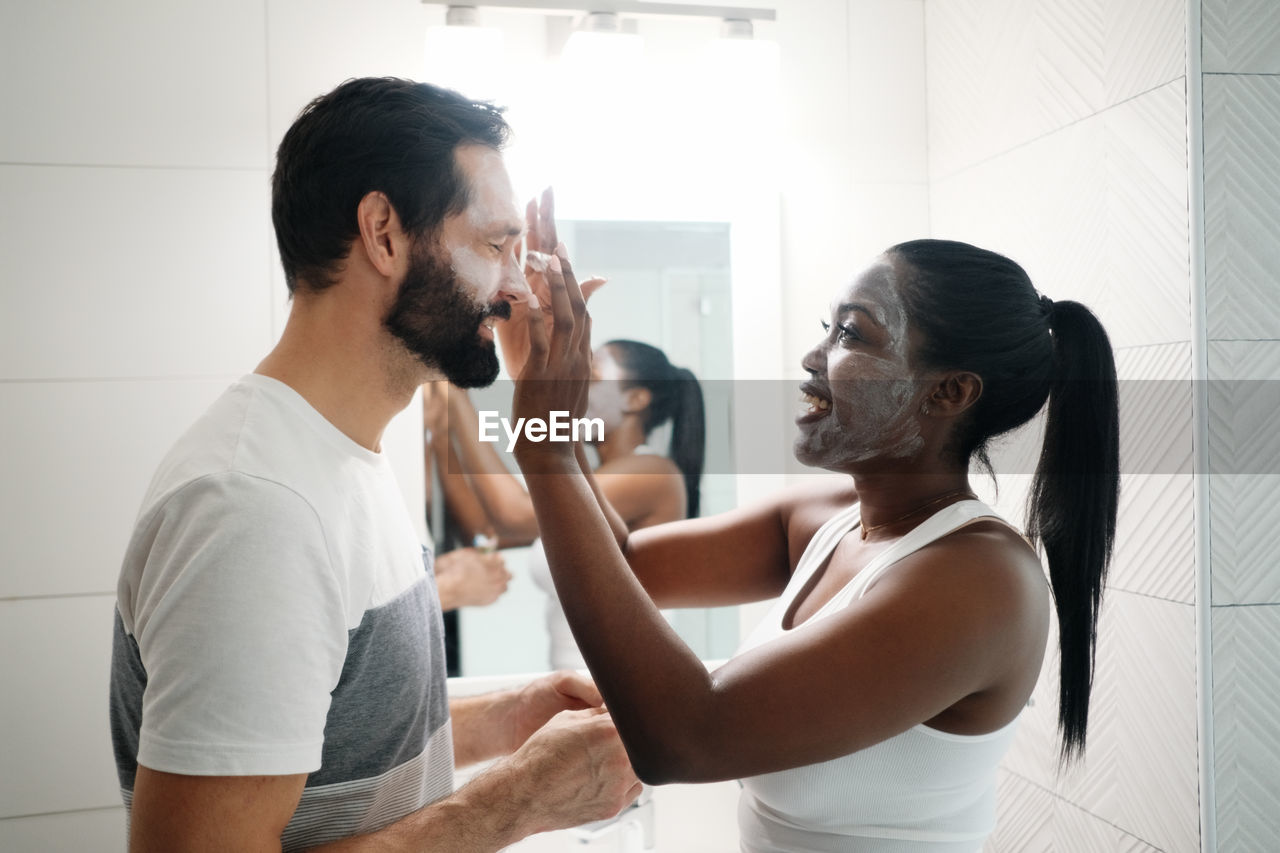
[
  {"x": 505, "y": 502},
  {"x": 944, "y": 625}
]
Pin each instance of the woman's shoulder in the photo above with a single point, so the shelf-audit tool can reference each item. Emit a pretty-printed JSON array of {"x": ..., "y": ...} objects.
[
  {"x": 986, "y": 560},
  {"x": 638, "y": 463}
]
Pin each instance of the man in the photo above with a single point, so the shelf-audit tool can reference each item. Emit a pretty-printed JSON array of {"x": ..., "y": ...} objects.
[{"x": 278, "y": 673}]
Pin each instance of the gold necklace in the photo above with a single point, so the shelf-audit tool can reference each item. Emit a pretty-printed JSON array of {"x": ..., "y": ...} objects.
[{"x": 868, "y": 530}]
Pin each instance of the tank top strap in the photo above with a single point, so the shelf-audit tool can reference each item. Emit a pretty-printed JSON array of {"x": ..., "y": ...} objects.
[
  {"x": 824, "y": 541},
  {"x": 943, "y": 522}
]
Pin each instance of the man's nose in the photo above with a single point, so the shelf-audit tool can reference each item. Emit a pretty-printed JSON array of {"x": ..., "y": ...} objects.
[{"x": 512, "y": 287}]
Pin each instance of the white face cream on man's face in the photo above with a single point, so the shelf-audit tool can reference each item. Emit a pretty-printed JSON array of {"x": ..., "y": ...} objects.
[{"x": 480, "y": 243}]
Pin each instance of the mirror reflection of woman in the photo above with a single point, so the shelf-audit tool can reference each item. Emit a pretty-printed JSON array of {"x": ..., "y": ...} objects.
[
  {"x": 634, "y": 390},
  {"x": 872, "y": 705}
]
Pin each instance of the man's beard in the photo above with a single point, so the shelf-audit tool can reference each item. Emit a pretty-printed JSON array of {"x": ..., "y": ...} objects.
[{"x": 436, "y": 320}]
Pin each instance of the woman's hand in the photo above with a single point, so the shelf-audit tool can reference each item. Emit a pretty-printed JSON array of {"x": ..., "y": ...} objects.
[
  {"x": 540, "y": 244},
  {"x": 557, "y": 374}
]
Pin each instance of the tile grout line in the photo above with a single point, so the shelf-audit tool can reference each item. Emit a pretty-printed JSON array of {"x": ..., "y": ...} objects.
[
  {"x": 1023, "y": 144},
  {"x": 1059, "y": 797},
  {"x": 1202, "y": 527}
]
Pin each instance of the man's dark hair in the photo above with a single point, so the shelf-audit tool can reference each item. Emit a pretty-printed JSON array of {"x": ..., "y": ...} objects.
[{"x": 371, "y": 134}]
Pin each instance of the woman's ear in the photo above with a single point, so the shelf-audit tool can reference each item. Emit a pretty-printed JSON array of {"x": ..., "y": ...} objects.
[
  {"x": 953, "y": 394},
  {"x": 637, "y": 400}
]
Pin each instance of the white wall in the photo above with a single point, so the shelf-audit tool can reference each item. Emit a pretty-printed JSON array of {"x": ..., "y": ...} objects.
[{"x": 138, "y": 277}]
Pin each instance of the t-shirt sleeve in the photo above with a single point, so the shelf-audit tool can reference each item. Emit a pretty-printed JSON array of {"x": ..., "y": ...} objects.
[{"x": 241, "y": 629}]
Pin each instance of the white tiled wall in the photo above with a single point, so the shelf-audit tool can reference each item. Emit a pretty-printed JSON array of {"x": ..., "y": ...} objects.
[
  {"x": 1057, "y": 135},
  {"x": 1242, "y": 204},
  {"x": 136, "y": 281},
  {"x": 1241, "y": 61},
  {"x": 1246, "y": 705},
  {"x": 146, "y": 83}
]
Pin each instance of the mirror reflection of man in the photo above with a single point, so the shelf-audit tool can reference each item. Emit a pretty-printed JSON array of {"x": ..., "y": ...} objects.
[{"x": 278, "y": 673}]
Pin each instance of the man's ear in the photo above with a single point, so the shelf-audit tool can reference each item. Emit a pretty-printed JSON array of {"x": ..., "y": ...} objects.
[
  {"x": 381, "y": 236},
  {"x": 953, "y": 394},
  {"x": 638, "y": 399}
]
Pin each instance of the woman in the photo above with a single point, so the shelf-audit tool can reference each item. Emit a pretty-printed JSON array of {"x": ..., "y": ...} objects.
[{"x": 870, "y": 709}]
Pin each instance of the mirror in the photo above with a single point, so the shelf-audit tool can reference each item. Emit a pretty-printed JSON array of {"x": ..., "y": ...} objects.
[{"x": 669, "y": 286}]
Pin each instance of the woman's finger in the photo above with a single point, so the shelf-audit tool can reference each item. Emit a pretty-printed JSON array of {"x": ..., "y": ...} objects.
[
  {"x": 577, "y": 303},
  {"x": 547, "y": 221},
  {"x": 562, "y": 337},
  {"x": 531, "y": 226},
  {"x": 539, "y": 346},
  {"x": 591, "y": 285}
]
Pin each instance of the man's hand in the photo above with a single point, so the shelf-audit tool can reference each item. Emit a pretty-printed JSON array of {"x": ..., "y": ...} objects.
[
  {"x": 539, "y": 701},
  {"x": 571, "y": 771},
  {"x": 470, "y": 577}
]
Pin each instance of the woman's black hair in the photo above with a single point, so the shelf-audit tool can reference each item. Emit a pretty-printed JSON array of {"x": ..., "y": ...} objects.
[
  {"x": 674, "y": 395},
  {"x": 977, "y": 311}
]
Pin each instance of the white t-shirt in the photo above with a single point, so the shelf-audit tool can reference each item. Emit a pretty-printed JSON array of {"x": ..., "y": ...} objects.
[{"x": 276, "y": 614}]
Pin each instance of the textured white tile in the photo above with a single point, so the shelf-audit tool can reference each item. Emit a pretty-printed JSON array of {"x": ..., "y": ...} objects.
[
  {"x": 1240, "y": 36},
  {"x": 1043, "y": 204},
  {"x": 97, "y": 831},
  {"x": 1154, "y": 550},
  {"x": 132, "y": 272},
  {"x": 1002, "y": 73},
  {"x": 1096, "y": 212},
  {"x": 88, "y": 452},
  {"x": 1156, "y": 398},
  {"x": 1244, "y": 394},
  {"x": 1140, "y": 770},
  {"x": 147, "y": 83},
  {"x": 886, "y": 42},
  {"x": 1146, "y": 248},
  {"x": 1242, "y": 205},
  {"x": 53, "y": 710},
  {"x": 1154, "y": 545},
  {"x": 1246, "y": 726},
  {"x": 1024, "y": 817},
  {"x": 1145, "y": 45},
  {"x": 1031, "y": 818}
]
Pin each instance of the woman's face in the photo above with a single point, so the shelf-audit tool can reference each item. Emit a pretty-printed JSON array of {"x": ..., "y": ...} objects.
[
  {"x": 607, "y": 398},
  {"x": 862, "y": 399}
]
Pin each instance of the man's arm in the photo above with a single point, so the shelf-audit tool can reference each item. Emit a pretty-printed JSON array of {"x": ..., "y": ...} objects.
[
  {"x": 469, "y": 577},
  {"x": 498, "y": 723},
  {"x": 572, "y": 770}
]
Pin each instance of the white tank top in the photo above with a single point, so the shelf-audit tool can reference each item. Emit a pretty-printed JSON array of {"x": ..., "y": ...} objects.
[{"x": 923, "y": 791}]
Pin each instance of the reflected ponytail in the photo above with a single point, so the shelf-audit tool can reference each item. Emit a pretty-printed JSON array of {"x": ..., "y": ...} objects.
[
  {"x": 674, "y": 395},
  {"x": 978, "y": 311}
]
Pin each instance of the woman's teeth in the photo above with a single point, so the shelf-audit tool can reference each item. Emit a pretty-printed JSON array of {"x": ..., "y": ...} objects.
[{"x": 815, "y": 404}]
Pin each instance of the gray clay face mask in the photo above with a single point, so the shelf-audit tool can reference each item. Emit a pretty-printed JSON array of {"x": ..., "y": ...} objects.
[{"x": 865, "y": 366}]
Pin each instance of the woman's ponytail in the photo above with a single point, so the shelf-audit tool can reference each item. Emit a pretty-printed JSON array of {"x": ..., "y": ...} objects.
[
  {"x": 978, "y": 311},
  {"x": 1074, "y": 499},
  {"x": 688, "y": 435},
  {"x": 674, "y": 395}
]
